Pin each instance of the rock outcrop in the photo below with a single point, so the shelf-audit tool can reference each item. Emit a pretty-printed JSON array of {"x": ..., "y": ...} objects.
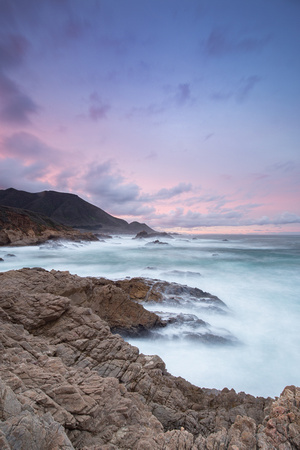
[
  {"x": 21, "y": 227},
  {"x": 67, "y": 382}
]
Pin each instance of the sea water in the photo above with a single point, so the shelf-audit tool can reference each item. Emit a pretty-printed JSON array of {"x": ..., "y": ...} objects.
[{"x": 258, "y": 277}]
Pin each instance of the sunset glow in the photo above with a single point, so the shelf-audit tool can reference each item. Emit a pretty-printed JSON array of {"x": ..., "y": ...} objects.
[{"x": 183, "y": 115}]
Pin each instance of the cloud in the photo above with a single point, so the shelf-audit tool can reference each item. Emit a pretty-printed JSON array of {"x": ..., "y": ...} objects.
[
  {"x": 118, "y": 44},
  {"x": 101, "y": 181},
  {"x": 109, "y": 190},
  {"x": 280, "y": 219},
  {"x": 164, "y": 194},
  {"x": 27, "y": 147},
  {"x": 183, "y": 94},
  {"x": 192, "y": 220},
  {"x": 16, "y": 107},
  {"x": 178, "y": 96},
  {"x": 240, "y": 92},
  {"x": 220, "y": 43},
  {"x": 74, "y": 28},
  {"x": 29, "y": 163},
  {"x": 14, "y": 173},
  {"x": 246, "y": 86},
  {"x": 98, "y": 109},
  {"x": 283, "y": 166},
  {"x": 13, "y": 48},
  {"x": 146, "y": 111}
]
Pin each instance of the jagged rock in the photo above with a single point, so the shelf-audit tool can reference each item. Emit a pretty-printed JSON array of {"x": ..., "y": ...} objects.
[
  {"x": 21, "y": 428},
  {"x": 147, "y": 290},
  {"x": 157, "y": 242},
  {"x": 68, "y": 382}
]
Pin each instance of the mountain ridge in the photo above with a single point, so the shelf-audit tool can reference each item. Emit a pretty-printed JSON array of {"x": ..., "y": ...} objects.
[{"x": 70, "y": 210}]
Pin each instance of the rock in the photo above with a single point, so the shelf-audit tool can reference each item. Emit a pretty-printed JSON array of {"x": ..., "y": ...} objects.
[
  {"x": 157, "y": 242},
  {"x": 21, "y": 428},
  {"x": 148, "y": 290},
  {"x": 145, "y": 235},
  {"x": 21, "y": 227},
  {"x": 67, "y": 382}
]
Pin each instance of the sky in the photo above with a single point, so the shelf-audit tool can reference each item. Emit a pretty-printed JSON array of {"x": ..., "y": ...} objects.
[{"x": 181, "y": 114}]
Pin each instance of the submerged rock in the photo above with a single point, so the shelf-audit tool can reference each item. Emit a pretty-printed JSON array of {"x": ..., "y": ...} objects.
[
  {"x": 67, "y": 382},
  {"x": 157, "y": 242}
]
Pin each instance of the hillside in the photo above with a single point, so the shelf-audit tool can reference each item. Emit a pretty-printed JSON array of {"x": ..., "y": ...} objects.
[
  {"x": 70, "y": 210},
  {"x": 22, "y": 227}
]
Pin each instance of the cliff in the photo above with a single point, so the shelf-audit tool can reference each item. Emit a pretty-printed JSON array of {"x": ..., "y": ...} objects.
[
  {"x": 21, "y": 227},
  {"x": 67, "y": 382}
]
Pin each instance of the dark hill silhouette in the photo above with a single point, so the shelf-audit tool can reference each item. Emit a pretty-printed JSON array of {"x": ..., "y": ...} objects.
[{"x": 68, "y": 209}]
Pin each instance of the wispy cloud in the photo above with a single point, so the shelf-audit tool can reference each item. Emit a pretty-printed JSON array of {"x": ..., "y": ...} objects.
[
  {"x": 165, "y": 193},
  {"x": 98, "y": 108},
  {"x": 16, "y": 106},
  {"x": 239, "y": 92},
  {"x": 27, "y": 147},
  {"x": 172, "y": 96},
  {"x": 221, "y": 42},
  {"x": 183, "y": 94},
  {"x": 246, "y": 85},
  {"x": 193, "y": 220},
  {"x": 13, "y": 48}
]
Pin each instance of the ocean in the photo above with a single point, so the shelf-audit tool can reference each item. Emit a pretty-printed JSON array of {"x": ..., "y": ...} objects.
[{"x": 257, "y": 277}]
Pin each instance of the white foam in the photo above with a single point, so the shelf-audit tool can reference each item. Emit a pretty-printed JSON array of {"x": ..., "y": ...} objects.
[{"x": 257, "y": 277}]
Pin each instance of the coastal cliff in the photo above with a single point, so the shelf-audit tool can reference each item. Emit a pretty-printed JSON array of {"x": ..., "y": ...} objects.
[
  {"x": 66, "y": 381},
  {"x": 22, "y": 227},
  {"x": 70, "y": 210}
]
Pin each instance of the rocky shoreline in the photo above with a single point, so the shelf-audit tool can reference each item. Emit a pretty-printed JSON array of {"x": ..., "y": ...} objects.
[
  {"x": 20, "y": 228},
  {"x": 67, "y": 381}
]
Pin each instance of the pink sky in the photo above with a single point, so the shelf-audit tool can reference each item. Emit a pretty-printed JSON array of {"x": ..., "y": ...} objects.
[{"x": 183, "y": 115}]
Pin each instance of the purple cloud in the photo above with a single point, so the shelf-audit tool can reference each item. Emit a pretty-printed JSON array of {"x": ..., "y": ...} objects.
[
  {"x": 240, "y": 92},
  {"x": 13, "y": 48},
  {"x": 164, "y": 194},
  {"x": 16, "y": 106},
  {"x": 25, "y": 145},
  {"x": 193, "y": 220},
  {"x": 98, "y": 109},
  {"x": 14, "y": 173},
  {"x": 183, "y": 94},
  {"x": 246, "y": 86},
  {"x": 220, "y": 43},
  {"x": 117, "y": 44}
]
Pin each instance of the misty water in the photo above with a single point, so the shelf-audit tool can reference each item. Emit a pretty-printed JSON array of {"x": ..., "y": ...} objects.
[{"x": 257, "y": 277}]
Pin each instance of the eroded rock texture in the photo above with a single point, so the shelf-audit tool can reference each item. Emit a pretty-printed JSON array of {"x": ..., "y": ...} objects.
[{"x": 68, "y": 382}]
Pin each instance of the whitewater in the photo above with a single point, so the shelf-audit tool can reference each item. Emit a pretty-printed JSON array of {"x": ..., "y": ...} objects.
[{"x": 257, "y": 277}]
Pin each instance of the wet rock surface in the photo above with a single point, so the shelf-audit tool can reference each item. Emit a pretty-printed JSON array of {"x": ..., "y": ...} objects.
[
  {"x": 67, "y": 382},
  {"x": 180, "y": 326}
]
